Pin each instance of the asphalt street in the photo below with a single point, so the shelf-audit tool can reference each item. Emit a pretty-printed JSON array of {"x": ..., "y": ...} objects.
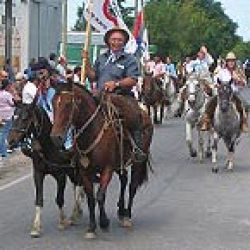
[{"x": 183, "y": 206}]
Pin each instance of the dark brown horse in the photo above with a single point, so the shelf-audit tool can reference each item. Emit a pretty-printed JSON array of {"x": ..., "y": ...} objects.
[
  {"x": 31, "y": 124},
  {"x": 98, "y": 144},
  {"x": 153, "y": 96}
]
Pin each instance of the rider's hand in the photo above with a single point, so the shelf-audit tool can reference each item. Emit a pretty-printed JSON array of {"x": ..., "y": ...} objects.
[
  {"x": 110, "y": 86},
  {"x": 85, "y": 54},
  {"x": 203, "y": 49}
]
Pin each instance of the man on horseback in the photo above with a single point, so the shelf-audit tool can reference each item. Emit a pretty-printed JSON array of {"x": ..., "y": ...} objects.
[
  {"x": 199, "y": 66},
  {"x": 225, "y": 75},
  {"x": 117, "y": 72}
]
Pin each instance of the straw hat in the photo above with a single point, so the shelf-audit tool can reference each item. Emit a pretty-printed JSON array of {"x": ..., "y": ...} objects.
[
  {"x": 116, "y": 29},
  {"x": 230, "y": 56}
]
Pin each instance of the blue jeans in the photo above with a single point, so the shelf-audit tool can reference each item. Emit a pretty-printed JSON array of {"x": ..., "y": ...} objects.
[{"x": 3, "y": 137}]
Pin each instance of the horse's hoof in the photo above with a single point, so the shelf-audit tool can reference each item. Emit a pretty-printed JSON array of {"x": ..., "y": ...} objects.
[
  {"x": 215, "y": 170},
  {"x": 90, "y": 235},
  {"x": 126, "y": 223},
  {"x": 75, "y": 217},
  {"x": 34, "y": 233},
  {"x": 104, "y": 224},
  {"x": 208, "y": 154},
  {"x": 64, "y": 224},
  {"x": 193, "y": 154}
]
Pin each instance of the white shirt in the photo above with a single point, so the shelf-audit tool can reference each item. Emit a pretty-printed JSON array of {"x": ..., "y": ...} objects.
[
  {"x": 61, "y": 70},
  {"x": 29, "y": 92},
  {"x": 200, "y": 66},
  {"x": 224, "y": 75}
]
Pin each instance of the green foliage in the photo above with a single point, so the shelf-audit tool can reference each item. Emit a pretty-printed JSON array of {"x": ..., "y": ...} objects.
[
  {"x": 242, "y": 50},
  {"x": 80, "y": 24},
  {"x": 180, "y": 27}
]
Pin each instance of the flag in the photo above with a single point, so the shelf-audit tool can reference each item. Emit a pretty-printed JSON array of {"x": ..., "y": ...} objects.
[
  {"x": 101, "y": 17},
  {"x": 145, "y": 45},
  {"x": 139, "y": 28}
]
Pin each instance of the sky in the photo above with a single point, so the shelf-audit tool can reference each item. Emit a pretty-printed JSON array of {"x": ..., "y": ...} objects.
[{"x": 238, "y": 10}]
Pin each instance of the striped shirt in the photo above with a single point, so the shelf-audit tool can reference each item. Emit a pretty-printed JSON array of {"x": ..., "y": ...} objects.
[{"x": 6, "y": 105}]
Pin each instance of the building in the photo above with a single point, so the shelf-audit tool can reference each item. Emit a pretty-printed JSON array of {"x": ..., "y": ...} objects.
[
  {"x": 36, "y": 30},
  {"x": 75, "y": 43}
]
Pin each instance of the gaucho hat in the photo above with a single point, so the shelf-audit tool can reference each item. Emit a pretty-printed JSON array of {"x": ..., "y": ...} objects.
[{"x": 116, "y": 29}]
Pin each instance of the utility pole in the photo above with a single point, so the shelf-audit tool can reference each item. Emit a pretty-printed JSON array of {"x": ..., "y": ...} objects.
[
  {"x": 8, "y": 30},
  {"x": 136, "y": 7},
  {"x": 64, "y": 27}
]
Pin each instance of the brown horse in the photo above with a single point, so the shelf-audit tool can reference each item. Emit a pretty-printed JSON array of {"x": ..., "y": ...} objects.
[
  {"x": 153, "y": 96},
  {"x": 101, "y": 147}
]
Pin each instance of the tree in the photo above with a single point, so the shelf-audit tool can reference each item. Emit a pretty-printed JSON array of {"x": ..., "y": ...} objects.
[
  {"x": 180, "y": 27},
  {"x": 242, "y": 50},
  {"x": 80, "y": 24}
]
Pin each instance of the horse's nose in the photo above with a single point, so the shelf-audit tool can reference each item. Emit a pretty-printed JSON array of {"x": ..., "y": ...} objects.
[{"x": 57, "y": 141}]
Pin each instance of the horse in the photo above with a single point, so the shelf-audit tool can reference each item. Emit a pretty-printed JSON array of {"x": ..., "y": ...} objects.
[
  {"x": 196, "y": 98},
  {"x": 103, "y": 146},
  {"x": 226, "y": 124},
  {"x": 31, "y": 124},
  {"x": 169, "y": 89},
  {"x": 153, "y": 96}
]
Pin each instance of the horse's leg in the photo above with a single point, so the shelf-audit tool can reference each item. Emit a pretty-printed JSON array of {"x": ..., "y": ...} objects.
[
  {"x": 189, "y": 140},
  {"x": 138, "y": 176},
  {"x": 230, "y": 157},
  {"x": 155, "y": 114},
  {"x": 121, "y": 203},
  {"x": 77, "y": 211},
  {"x": 200, "y": 145},
  {"x": 161, "y": 112},
  {"x": 78, "y": 192},
  {"x": 214, "y": 152},
  {"x": 38, "y": 181},
  {"x": 208, "y": 149},
  {"x": 87, "y": 179},
  {"x": 105, "y": 178},
  {"x": 61, "y": 184}
]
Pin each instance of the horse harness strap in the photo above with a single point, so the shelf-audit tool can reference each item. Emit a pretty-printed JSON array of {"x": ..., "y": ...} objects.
[{"x": 92, "y": 117}]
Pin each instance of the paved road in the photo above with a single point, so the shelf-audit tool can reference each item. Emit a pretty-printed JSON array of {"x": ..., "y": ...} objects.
[{"x": 184, "y": 206}]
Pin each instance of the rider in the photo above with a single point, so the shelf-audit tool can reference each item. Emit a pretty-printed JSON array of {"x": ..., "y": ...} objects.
[
  {"x": 226, "y": 74},
  {"x": 159, "y": 68},
  {"x": 116, "y": 71},
  {"x": 199, "y": 66},
  {"x": 170, "y": 69}
]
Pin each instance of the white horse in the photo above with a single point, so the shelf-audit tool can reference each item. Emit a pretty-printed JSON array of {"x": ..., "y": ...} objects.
[
  {"x": 169, "y": 90},
  {"x": 194, "y": 107}
]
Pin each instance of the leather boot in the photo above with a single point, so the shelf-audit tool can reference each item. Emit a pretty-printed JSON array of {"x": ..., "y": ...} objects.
[{"x": 139, "y": 155}]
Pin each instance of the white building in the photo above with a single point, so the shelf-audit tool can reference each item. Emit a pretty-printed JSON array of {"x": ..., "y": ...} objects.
[{"x": 36, "y": 30}]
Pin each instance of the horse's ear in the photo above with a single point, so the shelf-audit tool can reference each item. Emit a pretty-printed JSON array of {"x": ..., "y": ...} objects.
[{"x": 70, "y": 83}]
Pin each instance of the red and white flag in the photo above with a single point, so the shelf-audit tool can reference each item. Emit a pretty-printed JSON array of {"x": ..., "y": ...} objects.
[{"x": 101, "y": 17}]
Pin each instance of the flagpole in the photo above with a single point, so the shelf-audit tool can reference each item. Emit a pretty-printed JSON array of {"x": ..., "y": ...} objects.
[{"x": 87, "y": 41}]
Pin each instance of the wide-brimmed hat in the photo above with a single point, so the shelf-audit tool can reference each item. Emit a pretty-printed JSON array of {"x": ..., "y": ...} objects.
[
  {"x": 230, "y": 56},
  {"x": 116, "y": 29}
]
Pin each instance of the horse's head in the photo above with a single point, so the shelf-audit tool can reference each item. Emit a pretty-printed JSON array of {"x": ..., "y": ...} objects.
[
  {"x": 193, "y": 87},
  {"x": 63, "y": 110},
  {"x": 22, "y": 121},
  {"x": 225, "y": 94}
]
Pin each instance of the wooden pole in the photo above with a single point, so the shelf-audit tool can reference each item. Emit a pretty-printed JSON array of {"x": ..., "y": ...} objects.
[
  {"x": 87, "y": 41},
  {"x": 64, "y": 28}
]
